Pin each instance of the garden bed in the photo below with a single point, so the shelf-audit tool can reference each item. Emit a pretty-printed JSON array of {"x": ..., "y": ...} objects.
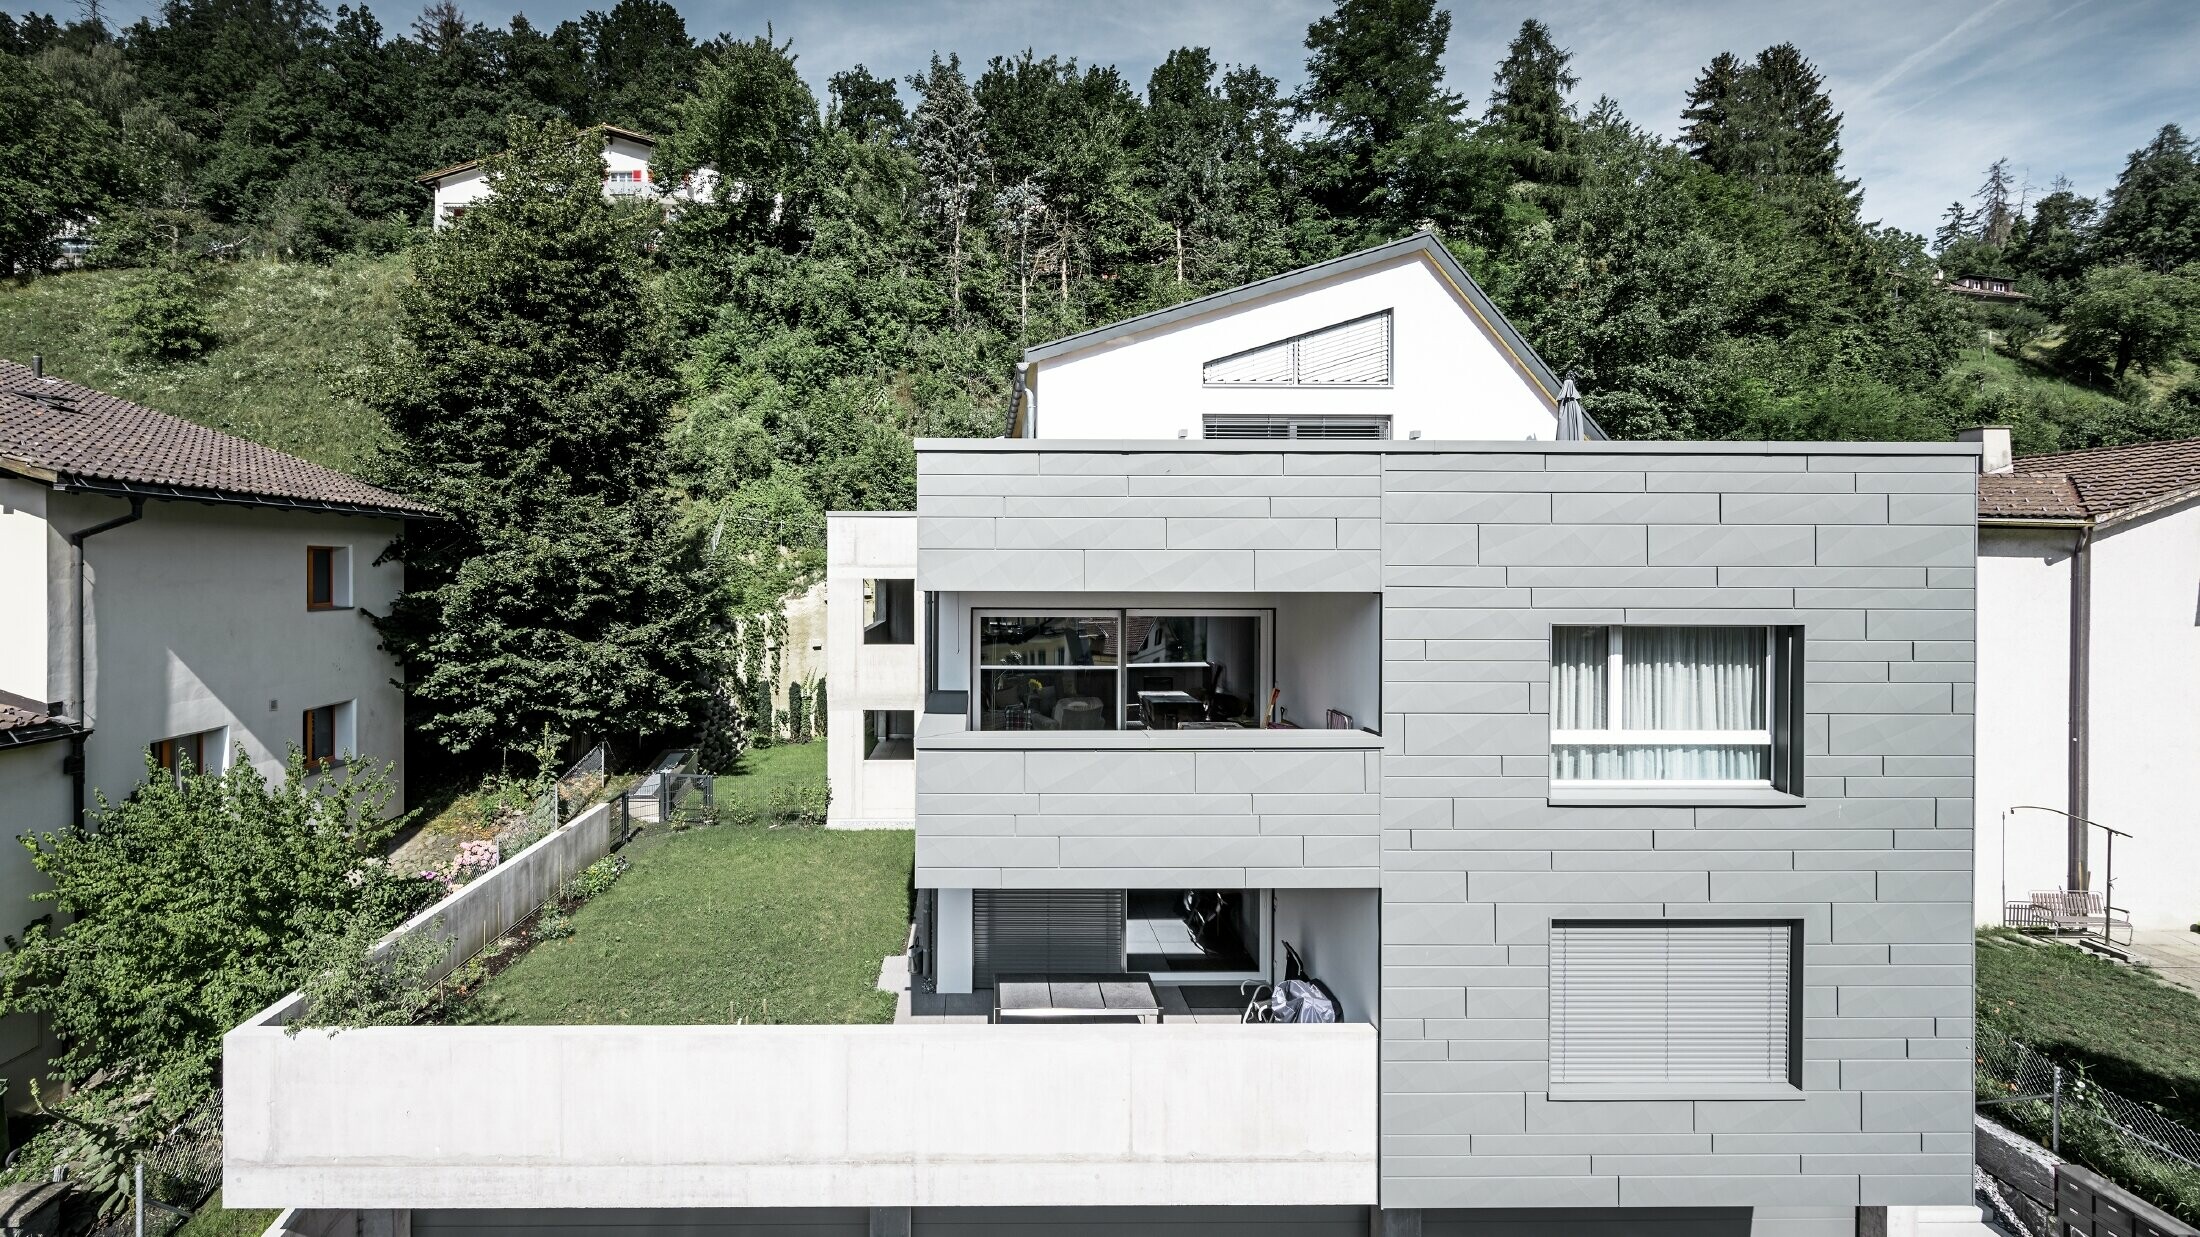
[{"x": 729, "y": 923}]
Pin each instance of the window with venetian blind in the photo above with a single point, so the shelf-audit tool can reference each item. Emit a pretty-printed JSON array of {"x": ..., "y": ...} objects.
[
  {"x": 1699, "y": 1008},
  {"x": 1350, "y": 354},
  {"x": 1674, "y": 707}
]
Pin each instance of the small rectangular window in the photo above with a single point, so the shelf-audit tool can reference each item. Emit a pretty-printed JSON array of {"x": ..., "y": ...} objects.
[
  {"x": 328, "y": 738},
  {"x": 1695, "y": 1008},
  {"x": 1672, "y": 706},
  {"x": 889, "y": 734},
  {"x": 191, "y": 753},
  {"x": 328, "y": 577},
  {"x": 889, "y": 611}
]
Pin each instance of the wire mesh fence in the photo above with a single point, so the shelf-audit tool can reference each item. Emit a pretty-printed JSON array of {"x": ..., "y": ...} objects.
[
  {"x": 174, "y": 1176},
  {"x": 2084, "y": 1122}
]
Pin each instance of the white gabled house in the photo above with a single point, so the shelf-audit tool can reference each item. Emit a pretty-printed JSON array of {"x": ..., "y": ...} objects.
[
  {"x": 626, "y": 174},
  {"x": 2088, "y": 673},
  {"x": 173, "y": 591},
  {"x": 1396, "y": 341}
]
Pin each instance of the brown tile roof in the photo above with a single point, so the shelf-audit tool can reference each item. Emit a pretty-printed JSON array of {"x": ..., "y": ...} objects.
[
  {"x": 22, "y": 719},
  {"x": 52, "y": 429},
  {"x": 2011, "y": 496},
  {"x": 2109, "y": 479}
]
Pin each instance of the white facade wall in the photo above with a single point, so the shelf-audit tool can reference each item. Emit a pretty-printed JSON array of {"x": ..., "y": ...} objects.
[
  {"x": 2145, "y": 713},
  {"x": 198, "y": 622},
  {"x": 24, "y": 619},
  {"x": 858, "y": 676},
  {"x": 2023, "y": 713},
  {"x": 1451, "y": 377}
]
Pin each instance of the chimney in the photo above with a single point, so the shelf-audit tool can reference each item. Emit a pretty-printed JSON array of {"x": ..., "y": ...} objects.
[
  {"x": 38, "y": 366},
  {"x": 1996, "y": 438}
]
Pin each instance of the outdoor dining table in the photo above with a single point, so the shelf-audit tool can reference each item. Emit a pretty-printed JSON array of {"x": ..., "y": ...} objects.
[{"x": 1075, "y": 998}]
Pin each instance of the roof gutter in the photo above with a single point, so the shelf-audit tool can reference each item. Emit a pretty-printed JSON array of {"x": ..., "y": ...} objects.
[
  {"x": 2013, "y": 521},
  {"x": 81, "y": 705},
  {"x": 138, "y": 491}
]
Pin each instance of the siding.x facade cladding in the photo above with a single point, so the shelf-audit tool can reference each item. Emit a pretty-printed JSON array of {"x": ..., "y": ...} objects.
[{"x": 1478, "y": 551}]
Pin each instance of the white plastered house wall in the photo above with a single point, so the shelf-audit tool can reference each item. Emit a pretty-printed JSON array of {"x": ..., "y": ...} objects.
[
  {"x": 2142, "y": 723},
  {"x": 197, "y": 625},
  {"x": 1456, "y": 372},
  {"x": 862, "y": 677},
  {"x": 626, "y": 159}
]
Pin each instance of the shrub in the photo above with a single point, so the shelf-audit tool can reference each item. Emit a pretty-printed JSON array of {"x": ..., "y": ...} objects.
[
  {"x": 347, "y": 986},
  {"x": 593, "y": 879},
  {"x": 159, "y": 318},
  {"x": 192, "y": 905}
]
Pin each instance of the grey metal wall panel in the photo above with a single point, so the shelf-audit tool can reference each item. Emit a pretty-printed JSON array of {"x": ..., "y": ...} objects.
[
  {"x": 1142, "y": 1221},
  {"x": 1477, "y": 860}
]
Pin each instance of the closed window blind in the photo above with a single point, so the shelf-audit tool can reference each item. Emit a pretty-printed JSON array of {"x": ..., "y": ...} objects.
[
  {"x": 1672, "y": 1004},
  {"x": 1365, "y": 429},
  {"x": 1349, "y": 354},
  {"x": 1045, "y": 931}
]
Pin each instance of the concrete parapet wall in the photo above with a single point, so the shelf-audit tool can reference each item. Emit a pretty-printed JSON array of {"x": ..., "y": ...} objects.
[{"x": 784, "y": 1116}]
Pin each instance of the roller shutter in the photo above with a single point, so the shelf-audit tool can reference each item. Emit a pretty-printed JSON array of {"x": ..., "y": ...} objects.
[{"x": 1047, "y": 931}]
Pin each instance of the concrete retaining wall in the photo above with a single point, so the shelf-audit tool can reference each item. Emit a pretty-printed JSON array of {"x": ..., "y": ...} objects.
[
  {"x": 493, "y": 903},
  {"x": 800, "y": 1116}
]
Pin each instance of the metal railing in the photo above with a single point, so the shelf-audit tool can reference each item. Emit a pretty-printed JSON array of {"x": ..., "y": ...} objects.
[
  {"x": 175, "y": 1176},
  {"x": 2082, "y": 1121}
]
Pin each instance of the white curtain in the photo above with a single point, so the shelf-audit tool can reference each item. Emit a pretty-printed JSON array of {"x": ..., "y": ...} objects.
[
  {"x": 1692, "y": 678},
  {"x": 1578, "y": 693},
  {"x": 1664, "y": 762},
  {"x": 1672, "y": 678}
]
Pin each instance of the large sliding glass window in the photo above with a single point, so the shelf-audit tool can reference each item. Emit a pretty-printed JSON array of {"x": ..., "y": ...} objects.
[
  {"x": 1120, "y": 669},
  {"x": 1049, "y": 671},
  {"x": 1662, "y": 706}
]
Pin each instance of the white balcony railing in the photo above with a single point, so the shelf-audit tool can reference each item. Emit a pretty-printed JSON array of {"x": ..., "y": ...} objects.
[{"x": 800, "y": 1116}]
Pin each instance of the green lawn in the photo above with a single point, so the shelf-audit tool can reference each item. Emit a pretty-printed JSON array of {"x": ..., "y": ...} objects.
[
  {"x": 289, "y": 336},
  {"x": 725, "y": 924},
  {"x": 215, "y": 1220},
  {"x": 2131, "y": 1033}
]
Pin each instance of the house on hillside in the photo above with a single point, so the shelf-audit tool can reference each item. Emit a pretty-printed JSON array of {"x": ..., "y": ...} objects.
[
  {"x": 1609, "y": 804},
  {"x": 2088, "y": 678},
  {"x": 626, "y": 174},
  {"x": 171, "y": 591},
  {"x": 1997, "y": 288}
]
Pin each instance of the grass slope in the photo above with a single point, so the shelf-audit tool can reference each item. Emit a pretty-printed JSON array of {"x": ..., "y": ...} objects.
[
  {"x": 288, "y": 336},
  {"x": 2131, "y": 1032},
  {"x": 215, "y": 1220},
  {"x": 723, "y": 924}
]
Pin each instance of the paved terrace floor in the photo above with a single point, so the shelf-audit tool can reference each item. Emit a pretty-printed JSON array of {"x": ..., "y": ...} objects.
[{"x": 2174, "y": 955}]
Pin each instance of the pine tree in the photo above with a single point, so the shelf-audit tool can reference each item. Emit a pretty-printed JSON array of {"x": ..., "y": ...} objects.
[
  {"x": 1181, "y": 146},
  {"x": 1388, "y": 151},
  {"x": 1710, "y": 130},
  {"x": 1528, "y": 112},
  {"x": 1956, "y": 227},
  {"x": 948, "y": 138},
  {"x": 527, "y": 402},
  {"x": 1996, "y": 213},
  {"x": 2153, "y": 214}
]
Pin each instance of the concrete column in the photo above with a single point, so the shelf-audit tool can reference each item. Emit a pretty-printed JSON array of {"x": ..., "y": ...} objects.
[
  {"x": 951, "y": 967},
  {"x": 889, "y": 1222},
  {"x": 1394, "y": 1222},
  {"x": 385, "y": 1224}
]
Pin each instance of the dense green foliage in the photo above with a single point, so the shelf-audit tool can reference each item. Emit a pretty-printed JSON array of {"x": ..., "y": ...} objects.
[
  {"x": 159, "y": 318},
  {"x": 872, "y": 263},
  {"x": 188, "y": 908},
  {"x": 527, "y": 402}
]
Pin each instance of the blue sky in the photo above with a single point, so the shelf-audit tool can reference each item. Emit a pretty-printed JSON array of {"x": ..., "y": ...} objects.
[{"x": 1932, "y": 90}]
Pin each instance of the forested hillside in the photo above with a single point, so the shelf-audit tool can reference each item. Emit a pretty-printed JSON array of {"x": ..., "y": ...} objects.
[{"x": 240, "y": 176}]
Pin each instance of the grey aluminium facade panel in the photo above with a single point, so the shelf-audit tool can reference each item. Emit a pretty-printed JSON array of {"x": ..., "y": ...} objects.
[{"x": 1480, "y": 550}]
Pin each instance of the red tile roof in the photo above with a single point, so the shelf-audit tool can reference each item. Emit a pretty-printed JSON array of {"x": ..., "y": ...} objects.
[
  {"x": 2011, "y": 496},
  {"x": 2112, "y": 478},
  {"x": 56, "y": 430}
]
